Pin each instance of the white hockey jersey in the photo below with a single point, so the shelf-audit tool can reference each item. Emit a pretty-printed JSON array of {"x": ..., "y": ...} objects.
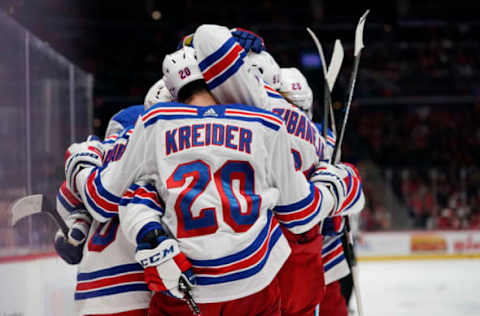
[
  {"x": 308, "y": 146},
  {"x": 233, "y": 83},
  {"x": 231, "y": 79},
  {"x": 222, "y": 172},
  {"x": 335, "y": 264},
  {"x": 109, "y": 279}
]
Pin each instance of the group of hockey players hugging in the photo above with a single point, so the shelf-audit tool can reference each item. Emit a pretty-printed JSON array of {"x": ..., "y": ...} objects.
[{"x": 192, "y": 203}]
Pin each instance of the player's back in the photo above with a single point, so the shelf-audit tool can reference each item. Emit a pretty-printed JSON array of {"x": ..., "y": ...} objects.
[
  {"x": 214, "y": 166},
  {"x": 109, "y": 279},
  {"x": 308, "y": 146}
]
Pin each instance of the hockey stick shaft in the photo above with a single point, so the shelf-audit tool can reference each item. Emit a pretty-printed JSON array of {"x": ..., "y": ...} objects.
[
  {"x": 350, "y": 255},
  {"x": 357, "y": 53},
  {"x": 59, "y": 220},
  {"x": 350, "y": 252},
  {"x": 339, "y": 140},
  {"x": 326, "y": 108},
  {"x": 330, "y": 76}
]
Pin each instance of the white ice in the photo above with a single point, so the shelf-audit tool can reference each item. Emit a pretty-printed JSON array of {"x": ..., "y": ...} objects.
[{"x": 420, "y": 288}]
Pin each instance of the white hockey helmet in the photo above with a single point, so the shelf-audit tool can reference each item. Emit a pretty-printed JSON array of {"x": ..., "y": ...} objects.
[
  {"x": 268, "y": 67},
  {"x": 180, "y": 68},
  {"x": 156, "y": 94},
  {"x": 294, "y": 87}
]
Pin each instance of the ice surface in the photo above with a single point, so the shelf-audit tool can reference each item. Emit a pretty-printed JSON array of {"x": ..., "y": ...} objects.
[{"x": 420, "y": 288}]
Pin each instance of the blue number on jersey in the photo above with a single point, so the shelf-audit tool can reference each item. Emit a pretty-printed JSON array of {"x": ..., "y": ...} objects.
[
  {"x": 104, "y": 235},
  {"x": 188, "y": 226},
  {"x": 206, "y": 222}
]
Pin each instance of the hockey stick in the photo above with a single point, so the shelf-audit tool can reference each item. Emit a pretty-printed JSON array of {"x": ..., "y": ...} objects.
[
  {"x": 349, "y": 250},
  {"x": 182, "y": 283},
  {"x": 330, "y": 76},
  {"x": 357, "y": 53},
  {"x": 332, "y": 73},
  {"x": 35, "y": 204}
]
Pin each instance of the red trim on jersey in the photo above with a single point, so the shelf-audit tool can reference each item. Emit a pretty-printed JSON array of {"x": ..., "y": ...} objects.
[
  {"x": 95, "y": 150},
  {"x": 271, "y": 89},
  {"x": 351, "y": 196},
  {"x": 223, "y": 64},
  {"x": 167, "y": 110},
  {"x": 69, "y": 195},
  {"x": 300, "y": 214},
  {"x": 248, "y": 262},
  {"x": 338, "y": 250},
  {"x": 109, "y": 281},
  {"x": 92, "y": 191},
  {"x": 245, "y": 113}
]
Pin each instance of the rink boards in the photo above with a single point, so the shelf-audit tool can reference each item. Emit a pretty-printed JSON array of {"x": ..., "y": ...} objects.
[
  {"x": 43, "y": 284},
  {"x": 410, "y": 245}
]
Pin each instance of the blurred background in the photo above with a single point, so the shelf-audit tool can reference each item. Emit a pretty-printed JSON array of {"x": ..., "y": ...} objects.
[{"x": 414, "y": 130}]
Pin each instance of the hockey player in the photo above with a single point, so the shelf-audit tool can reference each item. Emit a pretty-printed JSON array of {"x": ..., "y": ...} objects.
[
  {"x": 167, "y": 139},
  {"x": 109, "y": 279},
  {"x": 305, "y": 265},
  {"x": 295, "y": 88},
  {"x": 311, "y": 151}
]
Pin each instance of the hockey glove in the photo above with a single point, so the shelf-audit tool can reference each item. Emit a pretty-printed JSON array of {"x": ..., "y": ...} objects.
[
  {"x": 88, "y": 154},
  {"x": 344, "y": 182},
  {"x": 70, "y": 248},
  {"x": 165, "y": 267},
  {"x": 333, "y": 226},
  {"x": 248, "y": 40}
]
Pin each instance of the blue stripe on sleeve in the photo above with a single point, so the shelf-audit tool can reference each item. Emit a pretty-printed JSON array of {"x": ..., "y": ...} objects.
[
  {"x": 274, "y": 95},
  {"x": 332, "y": 263},
  {"x": 85, "y": 276},
  {"x": 112, "y": 290},
  {"x": 212, "y": 58},
  {"x": 98, "y": 209},
  {"x": 102, "y": 191},
  {"x": 332, "y": 245},
  {"x": 306, "y": 220},
  {"x": 67, "y": 205},
  {"x": 212, "y": 84},
  {"x": 298, "y": 205}
]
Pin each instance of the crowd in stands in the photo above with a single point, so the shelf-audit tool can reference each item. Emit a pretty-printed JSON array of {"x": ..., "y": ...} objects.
[{"x": 431, "y": 153}]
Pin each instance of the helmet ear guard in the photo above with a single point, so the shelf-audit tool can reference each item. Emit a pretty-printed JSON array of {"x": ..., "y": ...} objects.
[
  {"x": 294, "y": 87},
  {"x": 179, "y": 69}
]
